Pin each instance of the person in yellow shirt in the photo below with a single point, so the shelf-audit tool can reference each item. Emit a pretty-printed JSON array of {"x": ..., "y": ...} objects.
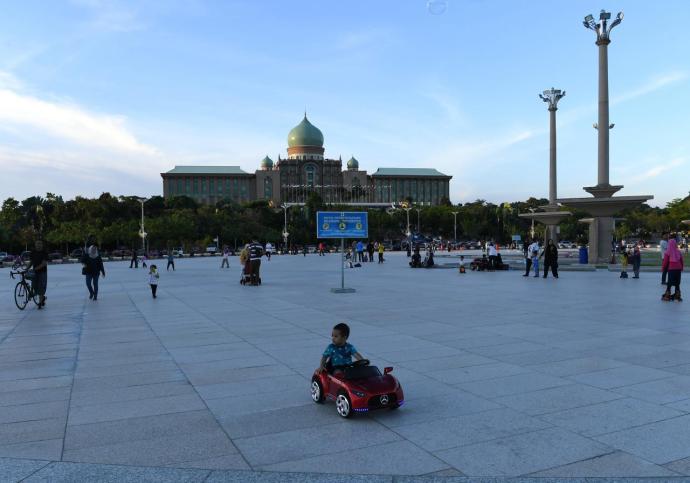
[{"x": 381, "y": 249}]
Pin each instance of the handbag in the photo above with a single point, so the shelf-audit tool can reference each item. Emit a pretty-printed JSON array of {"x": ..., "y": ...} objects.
[{"x": 84, "y": 271}]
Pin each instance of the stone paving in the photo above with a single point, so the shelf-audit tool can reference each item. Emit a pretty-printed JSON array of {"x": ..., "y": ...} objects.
[{"x": 504, "y": 376}]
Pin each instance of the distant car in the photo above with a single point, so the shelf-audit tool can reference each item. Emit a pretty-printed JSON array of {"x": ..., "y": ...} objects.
[
  {"x": 154, "y": 254},
  {"x": 178, "y": 253},
  {"x": 359, "y": 387},
  {"x": 4, "y": 255},
  {"x": 55, "y": 256},
  {"x": 77, "y": 253},
  {"x": 566, "y": 244},
  {"x": 211, "y": 249}
]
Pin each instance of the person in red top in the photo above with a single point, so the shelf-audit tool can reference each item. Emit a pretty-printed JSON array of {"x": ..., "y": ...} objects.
[{"x": 673, "y": 263}]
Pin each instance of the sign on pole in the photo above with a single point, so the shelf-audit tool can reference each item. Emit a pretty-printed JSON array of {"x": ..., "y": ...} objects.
[{"x": 342, "y": 224}]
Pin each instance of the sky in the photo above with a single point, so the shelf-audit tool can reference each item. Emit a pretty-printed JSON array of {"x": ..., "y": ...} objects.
[{"x": 104, "y": 95}]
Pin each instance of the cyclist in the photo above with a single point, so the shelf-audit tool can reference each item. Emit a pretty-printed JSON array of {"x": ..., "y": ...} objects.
[{"x": 39, "y": 262}]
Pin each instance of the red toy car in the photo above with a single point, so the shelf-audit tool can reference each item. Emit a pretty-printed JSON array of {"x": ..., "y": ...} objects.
[{"x": 358, "y": 387}]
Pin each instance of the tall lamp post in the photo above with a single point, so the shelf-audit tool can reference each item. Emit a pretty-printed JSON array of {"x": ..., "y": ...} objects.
[
  {"x": 285, "y": 207},
  {"x": 455, "y": 226},
  {"x": 142, "y": 231},
  {"x": 418, "y": 210}
]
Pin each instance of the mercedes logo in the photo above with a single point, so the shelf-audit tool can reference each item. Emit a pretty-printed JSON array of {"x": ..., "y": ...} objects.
[{"x": 384, "y": 399}]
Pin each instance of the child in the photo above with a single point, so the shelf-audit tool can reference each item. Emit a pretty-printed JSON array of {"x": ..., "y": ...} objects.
[
  {"x": 339, "y": 353},
  {"x": 624, "y": 264},
  {"x": 461, "y": 266},
  {"x": 153, "y": 279},
  {"x": 143, "y": 261},
  {"x": 535, "y": 260}
]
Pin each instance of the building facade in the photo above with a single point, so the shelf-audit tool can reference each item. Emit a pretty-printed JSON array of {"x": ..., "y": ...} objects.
[{"x": 306, "y": 170}]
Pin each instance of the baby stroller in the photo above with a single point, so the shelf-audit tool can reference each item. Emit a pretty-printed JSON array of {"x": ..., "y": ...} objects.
[{"x": 246, "y": 275}]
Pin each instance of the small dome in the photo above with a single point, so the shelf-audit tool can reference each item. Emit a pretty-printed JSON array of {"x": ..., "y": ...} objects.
[
  {"x": 267, "y": 163},
  {"x": 305, "y": 134},
  {"x": 352, "y": 164}
]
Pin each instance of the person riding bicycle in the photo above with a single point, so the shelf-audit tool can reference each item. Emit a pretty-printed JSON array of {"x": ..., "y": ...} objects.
[{"x": 39, "y": 262}]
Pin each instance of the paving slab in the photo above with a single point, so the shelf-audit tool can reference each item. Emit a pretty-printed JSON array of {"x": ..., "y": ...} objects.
[
  {"x": 13, "y": 469},
  {"x": 614, "y": 465},
  {"x": 522, "y": 454},
  {"x": 213, "y": 376},
  {"x": 59, "y": 472}
]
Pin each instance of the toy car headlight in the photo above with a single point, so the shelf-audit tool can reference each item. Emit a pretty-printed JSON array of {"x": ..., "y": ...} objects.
[{"x": 358, "y": 393}]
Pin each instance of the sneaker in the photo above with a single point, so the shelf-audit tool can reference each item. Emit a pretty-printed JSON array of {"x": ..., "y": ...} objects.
[{"x": 90, "y": 296}]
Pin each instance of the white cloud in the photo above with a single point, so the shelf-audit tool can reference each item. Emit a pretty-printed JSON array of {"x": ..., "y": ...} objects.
[
  {"x": 658, "y": 82},
  {"x": 69, "y": 122},
  {"x": 111, "y": 16},
  {"x": 658, "y": 169}
]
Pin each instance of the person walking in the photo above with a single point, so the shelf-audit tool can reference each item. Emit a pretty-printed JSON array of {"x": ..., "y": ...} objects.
[
  {"x": 269, "y": 251},
  {"x": 636, "y": 260},
  {"x": 673, "y": 265},
  {"x": 153, "y": 279},
  {"x": 143, "y": 260},
  {"x": 663, "y": 246},
  {"x": 255, "y": 253},
  {"x": 370, "y": 249},
  {"x": 551, "y": 259},
  {"x": 134, "y": 262},
  {"x": 171, "y": 261},
  {"x": 39, "y": 262},
  {"x": 225, "y": 263},
  {"x": 92, "y": 268},
  {"x": 381, "y": 250},
  {"x": 321, "y": 250}
]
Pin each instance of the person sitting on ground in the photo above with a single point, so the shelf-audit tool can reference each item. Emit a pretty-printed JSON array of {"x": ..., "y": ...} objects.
[
  {"x": 416, "y": 260},
  {"x": 429, "y": 258},
  {"x": 461, "y": 265},
  {"x": 339, "y": 352}
]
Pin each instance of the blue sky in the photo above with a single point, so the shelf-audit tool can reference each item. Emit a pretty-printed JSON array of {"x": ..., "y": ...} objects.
[{"x": 103, "y": 95}]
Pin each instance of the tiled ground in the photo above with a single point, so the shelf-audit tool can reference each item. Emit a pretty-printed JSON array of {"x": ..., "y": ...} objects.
[{"x": 588, "y": 375}]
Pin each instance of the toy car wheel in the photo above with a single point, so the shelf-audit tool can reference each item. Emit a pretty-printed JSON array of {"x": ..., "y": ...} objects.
[
  {"x": 343, "y": 406},
  {"x": 316, "y": 391}
]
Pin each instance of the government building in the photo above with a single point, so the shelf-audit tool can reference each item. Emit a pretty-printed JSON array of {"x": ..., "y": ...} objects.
[{"x": 307, "y": 170}]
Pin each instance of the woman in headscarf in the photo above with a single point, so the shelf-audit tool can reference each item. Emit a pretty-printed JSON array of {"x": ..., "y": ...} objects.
[
  {"x": 92, "y": 268},
  {"x": 673, "y": 263}
]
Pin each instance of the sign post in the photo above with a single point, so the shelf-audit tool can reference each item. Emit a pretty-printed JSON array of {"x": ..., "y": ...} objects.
[{"x": 342, "y": 224}]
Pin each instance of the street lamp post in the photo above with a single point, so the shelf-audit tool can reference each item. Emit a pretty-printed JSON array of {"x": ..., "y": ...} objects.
[
  {"x": 285, "y": 207},
  {"x": 603, "y": 31},
  {"x": 552, "y": 96},
  {"x": 418, "y": 210},
  {"x": 455, "y": 226},
  {"x": 531, "y": 232},
  {"x": 142, "y": 231}
]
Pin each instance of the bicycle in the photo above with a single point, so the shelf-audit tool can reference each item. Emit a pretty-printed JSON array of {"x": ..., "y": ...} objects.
[{"x": 24, "y": 291}]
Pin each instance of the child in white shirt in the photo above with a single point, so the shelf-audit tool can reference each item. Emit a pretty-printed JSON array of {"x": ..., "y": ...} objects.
[{"x": 153, "y": 279}]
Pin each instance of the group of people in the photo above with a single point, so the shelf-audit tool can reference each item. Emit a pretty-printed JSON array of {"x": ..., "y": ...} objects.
[
  {"x": 416, "y": 260},
  {"x": 533, "y": 253}
]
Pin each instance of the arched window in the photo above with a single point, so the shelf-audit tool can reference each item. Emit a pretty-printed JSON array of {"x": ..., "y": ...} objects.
[{"x": 268, "y": 188}]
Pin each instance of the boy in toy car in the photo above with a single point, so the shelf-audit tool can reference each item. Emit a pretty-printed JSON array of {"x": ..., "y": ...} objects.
[{"x": 339, "y": 353}]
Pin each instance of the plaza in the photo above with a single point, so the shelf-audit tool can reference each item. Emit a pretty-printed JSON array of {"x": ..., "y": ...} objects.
[{"x": 504, "y": 376}]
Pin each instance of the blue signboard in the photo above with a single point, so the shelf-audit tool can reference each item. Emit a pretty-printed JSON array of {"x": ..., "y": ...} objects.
[{"x": 342, "y": 224}]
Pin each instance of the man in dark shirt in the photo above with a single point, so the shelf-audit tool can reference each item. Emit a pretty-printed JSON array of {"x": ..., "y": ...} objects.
[
  {"x": 255, "y": 253},
  {"x": 39, "y": 262}
]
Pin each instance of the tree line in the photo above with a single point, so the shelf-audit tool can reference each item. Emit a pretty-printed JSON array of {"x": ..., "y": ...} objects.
[{"x": 114, "y": 221}]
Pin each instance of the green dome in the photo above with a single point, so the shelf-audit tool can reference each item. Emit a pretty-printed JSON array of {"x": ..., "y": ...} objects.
[
  {"x": 305, "y": 134},
  {"x": 352, "y": 163},
  {"x": 267, "y": 162}
]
